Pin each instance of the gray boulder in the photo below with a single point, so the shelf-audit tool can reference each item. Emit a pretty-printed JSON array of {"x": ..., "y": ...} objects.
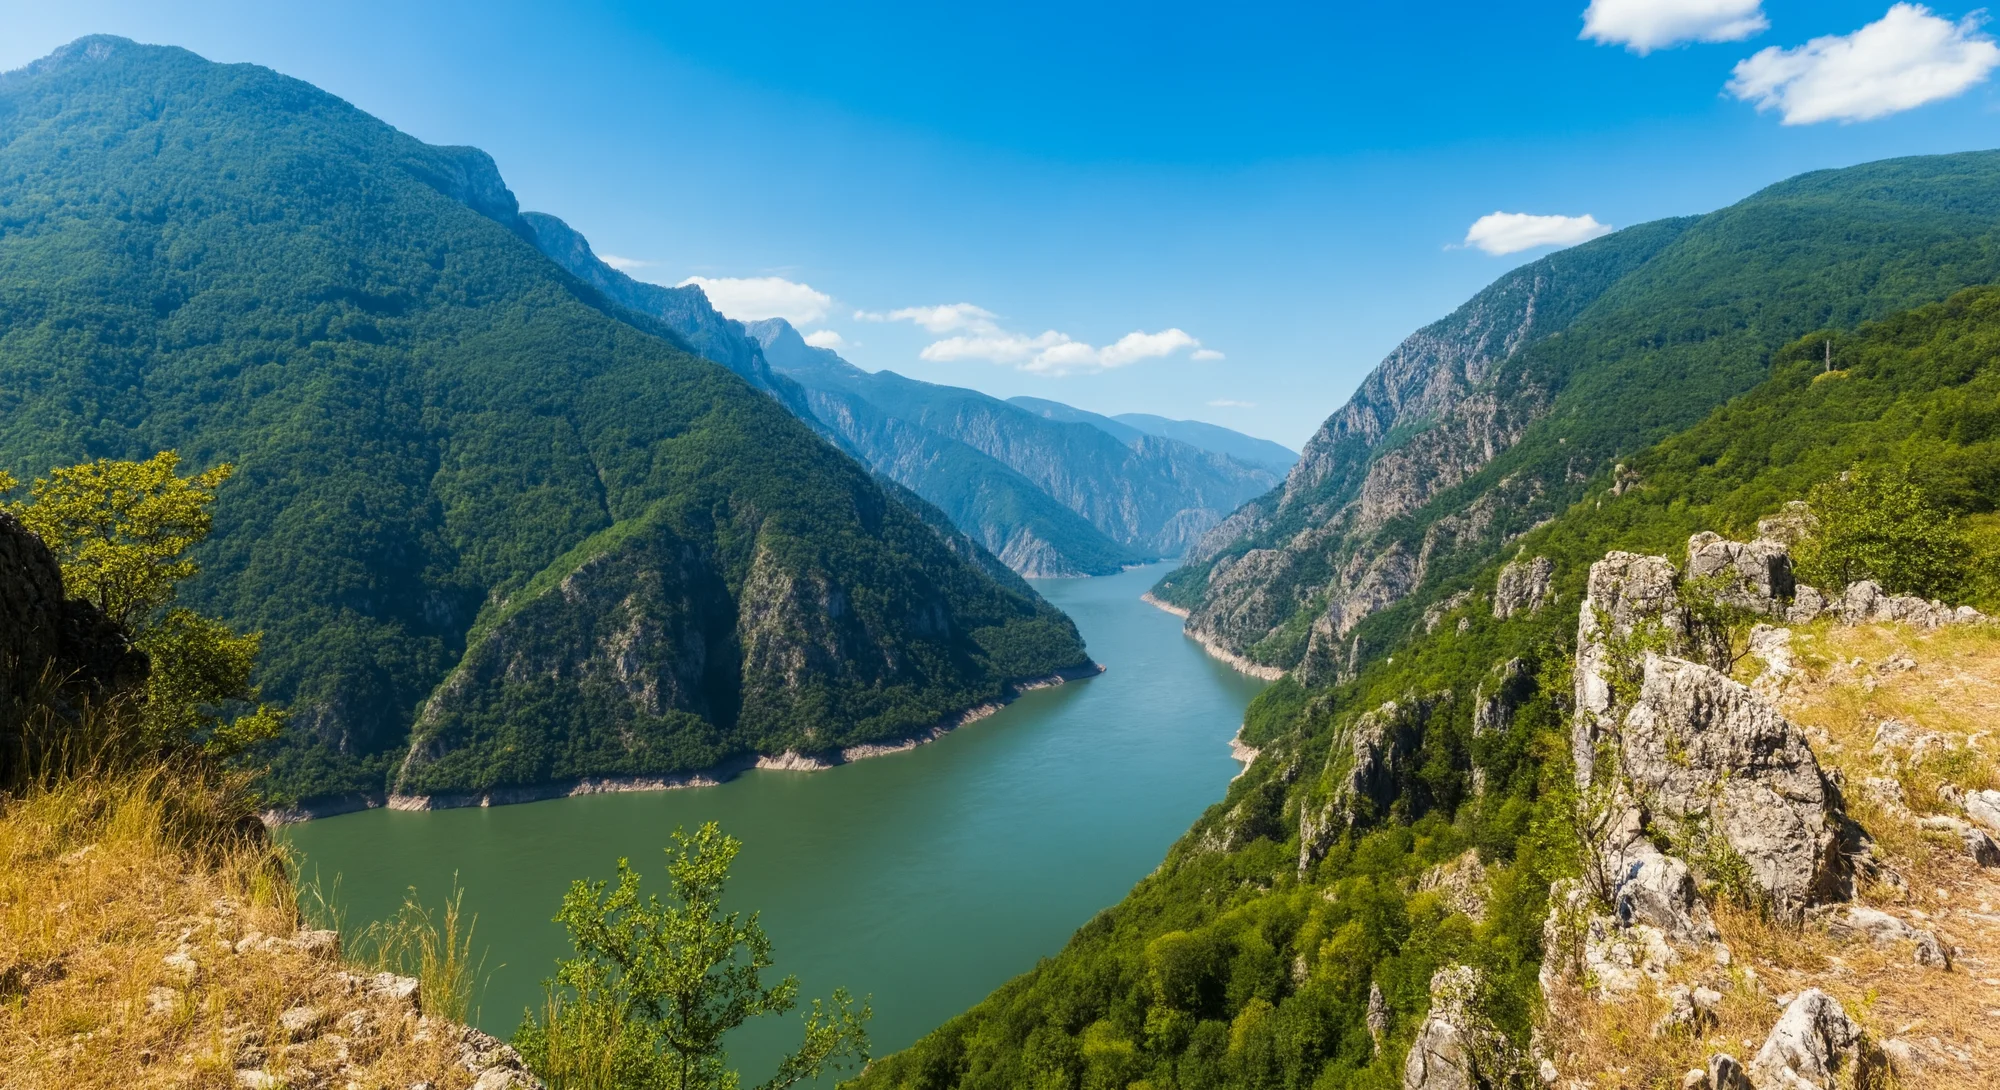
[
  {"x": 1755, "y": 575},
  {"x": 1879, "y": 927},
  {"x": 1523, "y": 587},
  {"x": 1704, "y": 754},
  {"x": 1814, "y": 1044},
  {"x": 1807, "y": 604},
  {"x": 1660, "y": 891},
  {"x": 1725, "y": 1073},
  {"x": 1984, "y": 807}
]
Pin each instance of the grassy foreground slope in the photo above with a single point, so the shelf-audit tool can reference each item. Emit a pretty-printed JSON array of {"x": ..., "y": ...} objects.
[
  {"x": 1235, "y": 966},
  {"x": 436, "y": 428}
]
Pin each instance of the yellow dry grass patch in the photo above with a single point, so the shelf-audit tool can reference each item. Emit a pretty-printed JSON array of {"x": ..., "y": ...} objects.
[
  {"x": 1945, "y": 682},
  {"x": 135, "y": 956}
]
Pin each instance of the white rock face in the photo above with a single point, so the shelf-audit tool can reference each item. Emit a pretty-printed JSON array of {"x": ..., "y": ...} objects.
[
  {"x": 1625, "y": 591},
  {"x": 1523, "y": 587},
  {"x": 1754, "y": 575},
  {"x": 1700, "y": 749},
  {"x": 1813, "y": 1043}
]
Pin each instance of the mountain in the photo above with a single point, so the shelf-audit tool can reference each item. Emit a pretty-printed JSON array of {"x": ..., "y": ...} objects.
[
  {"x": 1421, "y": 821},
  {"x": 1049, "y": 498},
  {"x": 1488, "y": 422},
  {"x": 1127, "y": 427},
  {"x": 497, "y": 529},
  {"x": 1154, "y": 496}
]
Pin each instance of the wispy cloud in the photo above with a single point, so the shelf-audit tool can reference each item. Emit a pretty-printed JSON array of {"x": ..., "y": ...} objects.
[
  {"x": 624, "y": 264},
  {"x": 1206, "y": 354},
  {"x": 755, "y": 298},
  {"x": 947, "y": 318},
  {"x": 1899, "y": 62},
  {"x": 1230, "y": 403},
  {"x": 978, "y": 335},
  {"x": 825, "y": 338},
  {"x": 1645, "y": 25},
  {"x": 1512, "y": 232}
]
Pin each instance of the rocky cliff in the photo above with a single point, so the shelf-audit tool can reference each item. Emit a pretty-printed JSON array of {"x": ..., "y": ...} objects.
[
  {"x": 54, "y": 650},
  {"x": 1489, "y": 422}
]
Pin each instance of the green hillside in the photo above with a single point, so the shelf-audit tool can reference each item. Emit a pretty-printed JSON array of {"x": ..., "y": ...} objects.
[
  {"x": 1664, "y": 322},
  {"x": 439, "y": 434},
  {"x": 1233, "y": 967}
]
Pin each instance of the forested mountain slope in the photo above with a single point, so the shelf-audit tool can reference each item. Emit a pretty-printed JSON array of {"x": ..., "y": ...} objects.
[
  {"x": 1128, "y": 427},
  {"x": 492, "y": 534},
  {"x": 1488, "y": 422},
  {"x": 1415, "y": 816},
  {"x": 1150, "y": 494}
]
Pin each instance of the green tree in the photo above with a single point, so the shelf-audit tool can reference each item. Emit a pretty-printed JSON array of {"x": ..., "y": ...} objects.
[
  {"x": 1879, "y": 523},
  {"x": 121, "y": 532},
  {"x": 656, "y": 985}
]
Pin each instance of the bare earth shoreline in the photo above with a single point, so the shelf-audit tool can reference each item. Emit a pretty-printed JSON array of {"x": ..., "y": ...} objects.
[
  {"x": 1215, "y": 650},
  {"x": 706, "y": 777}
]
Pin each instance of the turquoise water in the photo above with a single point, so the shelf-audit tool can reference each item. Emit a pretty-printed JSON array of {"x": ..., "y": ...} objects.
[{"x": 922, "y": 879}]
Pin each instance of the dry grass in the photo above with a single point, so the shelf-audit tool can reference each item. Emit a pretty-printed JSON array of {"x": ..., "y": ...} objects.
[
  {"x": 1945, "y": 682},
  {"x": 106, "y": 883}
]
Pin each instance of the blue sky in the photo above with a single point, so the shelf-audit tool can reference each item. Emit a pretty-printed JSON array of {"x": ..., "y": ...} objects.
[{"x": 1076, "y": 200}]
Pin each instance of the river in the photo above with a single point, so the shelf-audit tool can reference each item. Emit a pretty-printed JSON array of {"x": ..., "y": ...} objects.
[{"x": 922, "y": 879}]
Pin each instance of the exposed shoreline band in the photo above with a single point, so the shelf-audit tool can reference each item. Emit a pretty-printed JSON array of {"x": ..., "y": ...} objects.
[{"x": 707, "y": 777}]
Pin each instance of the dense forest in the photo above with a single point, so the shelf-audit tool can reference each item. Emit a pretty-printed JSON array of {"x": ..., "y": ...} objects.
[{"x": 436, "y": 432}]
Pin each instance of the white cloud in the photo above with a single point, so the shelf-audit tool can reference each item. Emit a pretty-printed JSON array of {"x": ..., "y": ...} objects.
[
  {"x": 1511, "y": 232},
  {"x": 755, "y": 298},
  {"x": 623, "y": 264},
  {"x": 979, "y": 336},
  {"x": 825, "y": 338},
  {"x": 948, "y": 318},
  {"x": 1645, "y": 25},
  {"x": 1229, "y": 403},
  {"x": 1899, "y": 62}
]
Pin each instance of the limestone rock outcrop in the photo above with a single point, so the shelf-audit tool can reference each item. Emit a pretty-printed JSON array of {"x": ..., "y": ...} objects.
[
  {"x": 1865, "y": 602},
  {"x": 1704, "y": 753},
  {"x": 1523, "y": 587},
  {"x": 1756, "y": 575},
  {"x": 1363, "y": 773}
]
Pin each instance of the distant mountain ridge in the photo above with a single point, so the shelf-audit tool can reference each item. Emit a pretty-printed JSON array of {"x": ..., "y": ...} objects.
[
  {"x": 1127, "y": 427},
  {"x": 1047, "y": 497}
]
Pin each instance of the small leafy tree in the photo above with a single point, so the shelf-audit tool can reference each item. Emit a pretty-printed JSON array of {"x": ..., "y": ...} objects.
[
  {"x": 1877, "y": 522},
  {"x": 121, "y": 532},
  {"x": 656, "y": 985}
]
